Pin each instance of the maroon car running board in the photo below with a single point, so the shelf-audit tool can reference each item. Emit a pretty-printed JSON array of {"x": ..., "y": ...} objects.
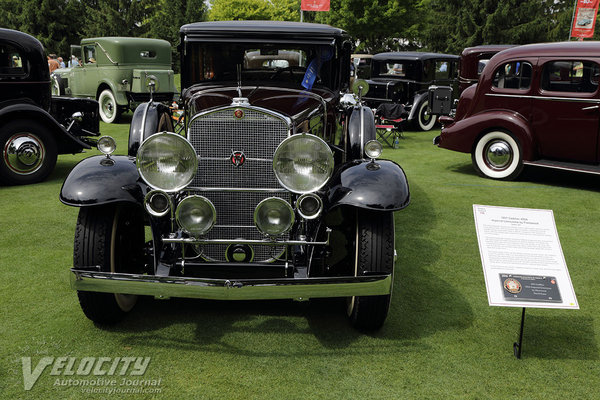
[{"x": 586, "y": 168}]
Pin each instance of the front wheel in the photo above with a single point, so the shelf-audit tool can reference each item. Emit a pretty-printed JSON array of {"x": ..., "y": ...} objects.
[
  {"x": 111, "y": 237},
  {"x": 426, "y": 120},
  {"x": 374, "y": 253},
  {"x": 497, "y": 155},
  {"x": 29, "y": 153},
  {"x": 109, "y": 110}
]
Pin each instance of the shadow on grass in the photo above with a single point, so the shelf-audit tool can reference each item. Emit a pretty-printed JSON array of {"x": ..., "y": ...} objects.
[
  {"x": 560, "y": 337},
  {"x": 423, "y": 304}
]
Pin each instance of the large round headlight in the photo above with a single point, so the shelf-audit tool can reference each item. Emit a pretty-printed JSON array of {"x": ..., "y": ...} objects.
[
  {"x": 196, "y": 215},
  {"x": 303, "y": 163},
  {"x": 167, "y": 161}
]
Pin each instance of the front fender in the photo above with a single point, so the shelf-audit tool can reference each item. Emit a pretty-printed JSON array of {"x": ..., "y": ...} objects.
[
  {"x": 463, "y": 134},
  {"x": 100, "y": 180},
  {"x": 375, "y": 185},
  {"x": 416, "y": 103},
  {"x": 120, "y": 96}
]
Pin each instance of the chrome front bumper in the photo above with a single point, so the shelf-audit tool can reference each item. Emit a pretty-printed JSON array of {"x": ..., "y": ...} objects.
[{"x": 233, "y": 289}]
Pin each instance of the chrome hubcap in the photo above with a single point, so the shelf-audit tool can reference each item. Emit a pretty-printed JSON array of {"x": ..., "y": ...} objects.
[
  {"x": 108, "y": 107},
  {"x": 498, "y": 154},
  {"x": 23, "y": 153}
]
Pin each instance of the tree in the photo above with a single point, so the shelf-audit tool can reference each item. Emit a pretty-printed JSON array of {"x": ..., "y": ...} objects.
[
  {"x": 280, "y": 10},
  {"x": 52, "y": 22},
  {"x": 377, "y": 25},
  {"x": 452, "y": 25},
  {"x": 115, "y": 17}
]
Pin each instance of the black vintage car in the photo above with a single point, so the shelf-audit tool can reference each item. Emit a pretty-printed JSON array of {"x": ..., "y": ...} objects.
[
  {"x": 35, "y": 127},
  {"x": 270, "y": 189},
  {"x": 404, "y": 78}
]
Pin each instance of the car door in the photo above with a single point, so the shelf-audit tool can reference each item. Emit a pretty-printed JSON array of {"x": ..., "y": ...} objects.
[
  {"x": 565, "y": 113},
  {"x": 88, "y": 74}
]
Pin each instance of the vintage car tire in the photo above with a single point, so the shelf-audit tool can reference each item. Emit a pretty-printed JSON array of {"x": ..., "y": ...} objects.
[
  {"x": 425, "y": 121},
  {"x": 35, "y": 157},
  {"x": 111, "y": 237},
  {"x": 497, "y": 155},
  {"x": 374, "y": 253},
  {"x": 109, "y": 110}
]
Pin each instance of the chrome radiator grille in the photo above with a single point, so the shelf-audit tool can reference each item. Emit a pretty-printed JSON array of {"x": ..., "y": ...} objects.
[{"x": 215, "y": 136}]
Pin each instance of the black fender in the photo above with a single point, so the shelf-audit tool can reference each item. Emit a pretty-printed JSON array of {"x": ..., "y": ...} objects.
[
  {"x": 102, "y": 180},
  {"x": 65, "y": 141},
  {"x": 375, "y": 185},
  {"x": 417, "y": 100},
  {"x": 362, "y": 122},
  {"x": 146, "y": 121}
]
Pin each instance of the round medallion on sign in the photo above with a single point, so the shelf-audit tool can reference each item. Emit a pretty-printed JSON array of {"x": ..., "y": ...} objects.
[{"x": 512, "y": 285}]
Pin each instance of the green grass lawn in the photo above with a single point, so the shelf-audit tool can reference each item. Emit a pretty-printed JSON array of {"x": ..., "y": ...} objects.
[{"x": 441, "y": 339}]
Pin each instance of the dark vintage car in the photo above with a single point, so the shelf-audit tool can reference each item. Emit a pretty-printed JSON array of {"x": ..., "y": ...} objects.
[
  {"x": 34, "y": 126},
  {"x": 270, "y": 189},
  {"x": 473, "y": 60},
  {"x": 535, "y": 104},
  {"x": 405, "y": 77}
]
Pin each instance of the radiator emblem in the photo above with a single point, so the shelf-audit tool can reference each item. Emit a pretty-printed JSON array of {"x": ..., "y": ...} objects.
[
  {"x": 238, "y": 158},
  {"x": 238, "y": 113}
]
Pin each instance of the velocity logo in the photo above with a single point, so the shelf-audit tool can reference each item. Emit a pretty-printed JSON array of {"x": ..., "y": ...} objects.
[{"x": 86, "y": 366}]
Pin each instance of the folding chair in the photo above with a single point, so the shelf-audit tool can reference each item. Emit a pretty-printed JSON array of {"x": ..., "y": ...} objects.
[{"x": 389, "y": 121}]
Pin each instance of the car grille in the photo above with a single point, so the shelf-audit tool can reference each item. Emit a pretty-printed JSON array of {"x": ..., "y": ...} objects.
[{"x": 215, "y": 136}]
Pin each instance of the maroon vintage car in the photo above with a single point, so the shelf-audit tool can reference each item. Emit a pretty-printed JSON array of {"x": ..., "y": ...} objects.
[
  {"x": 473, "y": 60},
  {"x": 536, "y": 104}
]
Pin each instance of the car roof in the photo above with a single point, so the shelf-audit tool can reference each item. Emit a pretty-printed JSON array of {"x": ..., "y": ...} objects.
[
  {"x": 412, "y": 56},
  {"x": 22, "y": 39},
  {"x": 555, "y": 49},
  {"x": 486, "y": 48},
  {"x": 261, "y": 28}
]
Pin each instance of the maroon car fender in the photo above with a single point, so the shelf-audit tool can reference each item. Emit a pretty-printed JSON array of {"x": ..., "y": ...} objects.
[{"x": 462, "y": 135}]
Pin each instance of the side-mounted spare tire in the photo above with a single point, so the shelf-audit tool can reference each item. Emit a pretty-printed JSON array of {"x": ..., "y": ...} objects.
[{"x": 148, "y": 119}]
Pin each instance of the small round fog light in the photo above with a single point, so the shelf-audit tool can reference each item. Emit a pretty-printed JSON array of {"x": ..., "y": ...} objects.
[
  {"x": 309, "y": 206},
  {"x": 196, "y": 215},
  {"x": 106, "y": 145},
  {"x": 373, "y": 149},
  {"x": 157, "y": 203},
  {"x": 273, "y": 216}
]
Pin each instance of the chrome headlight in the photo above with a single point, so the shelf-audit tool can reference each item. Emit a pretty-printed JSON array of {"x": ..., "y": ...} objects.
[
  {"x": 167, "y": 161},
  {"x": 303, "y": 163},
  {"x": 196, "y": 215}
]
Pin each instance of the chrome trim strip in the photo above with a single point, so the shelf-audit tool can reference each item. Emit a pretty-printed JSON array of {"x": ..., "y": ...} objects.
[
  {"x": 551, "y": 98},
  {"x": 227, "y": 159},
  {"x": 217, "y": 189},
  {"x": 264, "y": 242},
  {"x": 234, "y": 289}
]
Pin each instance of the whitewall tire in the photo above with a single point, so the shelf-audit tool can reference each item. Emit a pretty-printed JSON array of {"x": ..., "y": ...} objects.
[
  {"x": 109, "y": 110},
  {"x": 425, "y": 120},
  {"x": 497, "y": 155}
]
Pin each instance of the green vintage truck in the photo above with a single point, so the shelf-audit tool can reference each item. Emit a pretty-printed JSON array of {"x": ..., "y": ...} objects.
[{"x": 117, "y": 72}]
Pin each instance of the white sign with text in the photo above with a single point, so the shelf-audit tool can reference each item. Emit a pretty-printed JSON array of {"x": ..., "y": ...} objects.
[{"x": 522, "y": 258}]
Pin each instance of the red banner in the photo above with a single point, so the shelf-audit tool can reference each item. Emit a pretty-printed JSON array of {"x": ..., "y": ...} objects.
[
  {"x": 584, "y": 19},
  {"x": 318, "y": 5}
]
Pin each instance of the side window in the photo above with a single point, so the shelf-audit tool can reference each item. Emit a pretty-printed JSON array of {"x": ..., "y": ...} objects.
[
  {"x": 11, "y": 62},
  {"x": 570, "y": 76},
  {"x": 513, "y": 75},
  {"x": 442, "y": 70},
  {"x": 89, "y": 52}
]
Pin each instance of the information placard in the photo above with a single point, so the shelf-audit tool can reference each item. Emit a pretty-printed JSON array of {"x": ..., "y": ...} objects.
[{"x": 522, "y": 258}]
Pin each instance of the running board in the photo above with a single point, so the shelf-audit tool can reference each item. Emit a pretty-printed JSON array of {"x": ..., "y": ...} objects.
[{"x": 566, "y": 166}]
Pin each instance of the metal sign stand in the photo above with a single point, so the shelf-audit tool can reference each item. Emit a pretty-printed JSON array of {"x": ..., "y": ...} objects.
[{"x": 517, "y": 346}]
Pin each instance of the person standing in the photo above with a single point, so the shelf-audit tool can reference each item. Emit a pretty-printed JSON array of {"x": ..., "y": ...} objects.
[
  {"x": 53, "y": 65},
  {"x": 61, "y": 63}
]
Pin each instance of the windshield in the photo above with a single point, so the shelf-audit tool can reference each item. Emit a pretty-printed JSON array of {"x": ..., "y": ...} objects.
[
  {"x": 395, "y": 68},
  {"x": 283, "y": 64}
]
